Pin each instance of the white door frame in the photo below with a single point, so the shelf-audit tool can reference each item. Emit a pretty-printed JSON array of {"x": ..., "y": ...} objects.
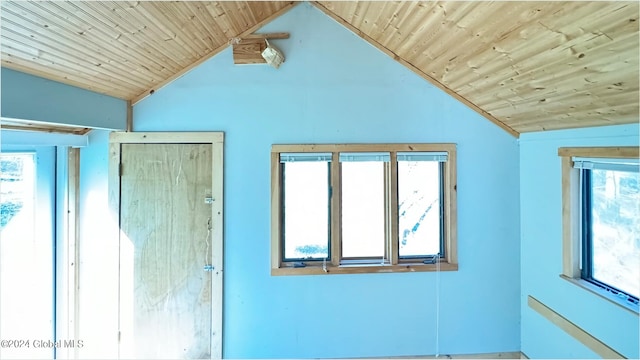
[{"x": 216, "y": 139}]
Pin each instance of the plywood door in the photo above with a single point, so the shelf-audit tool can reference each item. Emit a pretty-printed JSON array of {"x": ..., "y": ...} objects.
[{"x": 165, "y": 247}]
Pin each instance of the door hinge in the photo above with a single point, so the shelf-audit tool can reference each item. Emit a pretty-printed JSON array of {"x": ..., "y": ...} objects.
[{"x": 120, "y": 169}]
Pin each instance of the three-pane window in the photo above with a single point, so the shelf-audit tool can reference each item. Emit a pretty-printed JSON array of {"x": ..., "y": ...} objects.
[{"x": 363, "y": 208}]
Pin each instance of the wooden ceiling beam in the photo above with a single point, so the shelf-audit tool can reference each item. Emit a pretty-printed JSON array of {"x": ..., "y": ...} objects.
[
  {"x": 41, "y": 126},
  {"x": 416, "y": 70},
  {"x": 248, "y": 49},
  {"x": 269, "y": 36}
]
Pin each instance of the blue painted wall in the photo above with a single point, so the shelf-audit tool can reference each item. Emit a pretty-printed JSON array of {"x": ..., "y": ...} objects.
[
  {"x": 336, "y": 88},
  {"x": 28, "y": 97},
  {"x": 99, "y": 267},
  {"x": 541, "y": 252}
]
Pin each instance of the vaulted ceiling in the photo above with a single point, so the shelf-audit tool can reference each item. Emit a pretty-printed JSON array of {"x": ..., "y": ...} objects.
[{"x": 526, "y": 66}]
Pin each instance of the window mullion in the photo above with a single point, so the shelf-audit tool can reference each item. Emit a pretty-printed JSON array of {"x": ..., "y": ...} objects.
[
  {"x": 391, "y": 195},
  {"x": 587, "y": 244},
  {"x": 336, "y": 205}
]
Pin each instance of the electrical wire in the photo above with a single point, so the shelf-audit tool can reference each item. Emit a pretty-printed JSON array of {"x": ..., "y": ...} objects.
[{"x": 206, "y": 250}]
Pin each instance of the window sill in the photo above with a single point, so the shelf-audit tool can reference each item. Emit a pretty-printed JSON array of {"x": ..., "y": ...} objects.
[
  {"x": 362, "y": 269},
  {"x": 602, "y": 293}
]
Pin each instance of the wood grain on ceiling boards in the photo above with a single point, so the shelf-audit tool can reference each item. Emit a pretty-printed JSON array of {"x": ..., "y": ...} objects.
[
  {"x": 527, "y": 66},
  {"x": 122, "y": 49},
  {"x": 531, "y": 65}
]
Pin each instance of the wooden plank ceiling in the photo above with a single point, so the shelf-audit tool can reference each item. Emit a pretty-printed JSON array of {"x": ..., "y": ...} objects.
[
  {"x": 121, "y": 48},
  {"x": 527, "y": 66}
]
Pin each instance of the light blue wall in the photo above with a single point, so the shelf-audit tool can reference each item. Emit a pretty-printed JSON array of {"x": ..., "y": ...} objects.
[
  {"x": 336, "y": 88},
  {"x": 28, "y": 97},
  {"x": 98, "y": 249},
  {"x": 541, "y": 252},
  {"x": 33, "y": 138}
]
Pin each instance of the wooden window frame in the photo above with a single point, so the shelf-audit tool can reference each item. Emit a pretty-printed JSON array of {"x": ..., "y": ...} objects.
[
  {"x": 571, "y": 215},
  {"x": 449, "y": 262}
]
